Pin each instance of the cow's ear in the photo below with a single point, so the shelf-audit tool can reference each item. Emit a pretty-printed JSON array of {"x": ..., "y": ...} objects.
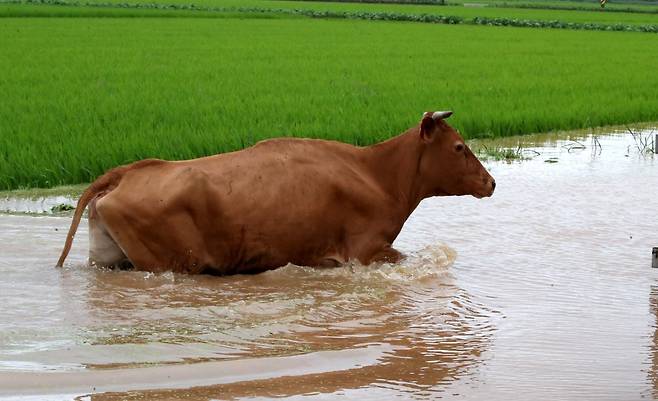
[{"x": 427, "y": 127}]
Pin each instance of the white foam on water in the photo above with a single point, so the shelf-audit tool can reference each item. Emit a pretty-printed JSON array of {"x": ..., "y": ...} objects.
[{"x": 431, "y": 260}]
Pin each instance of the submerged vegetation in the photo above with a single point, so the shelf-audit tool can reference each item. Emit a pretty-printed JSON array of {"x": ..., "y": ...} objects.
[
  {"x": 62, "y": 208},
  {"x": 83, "y": 95},
  {"x": 644, "y": 142},
  {"x": 502, "y": 153}
]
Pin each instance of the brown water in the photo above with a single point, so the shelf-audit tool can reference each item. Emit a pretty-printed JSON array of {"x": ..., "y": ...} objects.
[{"x": 544, "y": 291}]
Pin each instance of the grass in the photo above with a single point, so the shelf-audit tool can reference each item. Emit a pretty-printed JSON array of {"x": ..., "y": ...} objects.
[
  {"x": 645, "y": 143},
  {"x": 501, "y": 154},
  {"x": 83, "y": 95},
  {"x": 67, "y": 8},
  {"x": 12, "y": 10},
  {"x": 640, "y": 6},
  {"x": 650, "y": 8},
  {"x": 576, "y": 16},
  {"x": 73, "y": 191},
  {"x": 582, "y": 16}
]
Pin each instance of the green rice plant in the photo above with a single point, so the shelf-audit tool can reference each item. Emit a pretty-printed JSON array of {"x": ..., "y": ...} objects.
[
  {"x": 82, "y": 95},
  {"x": 563, "y": 25},
  {"x": 60, "y": 10},
  {"x": 466, "y": 13},
  {"x": 112, "y": 10},
  {"x": 501, "y": 154},
  {"x": 581, "y": 6},
  {"x": 650, "y": 7},
  {"x": 66, "y": 8}
]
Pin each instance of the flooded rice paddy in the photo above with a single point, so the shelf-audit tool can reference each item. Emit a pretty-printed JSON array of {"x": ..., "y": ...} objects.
[{"x": 544, "y": 291}]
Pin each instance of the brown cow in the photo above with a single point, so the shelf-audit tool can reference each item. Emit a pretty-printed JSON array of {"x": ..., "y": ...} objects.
[{"x": 303, "y": 201}]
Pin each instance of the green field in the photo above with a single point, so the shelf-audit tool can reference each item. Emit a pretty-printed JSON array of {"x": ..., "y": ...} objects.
[
  {"x": 81, "y": 95},
  {"x": 613, "y": 6},
  {"x": 639, "y": 6},
  {"x": 265, "y": 9},
  {"x": 596, "y": 16},
  {"x": 60, "y": 11},
  {"x": 460, "y": 11}
]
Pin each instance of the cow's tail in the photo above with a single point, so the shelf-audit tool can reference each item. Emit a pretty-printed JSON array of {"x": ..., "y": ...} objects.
[{"x": 104, "y": 183}]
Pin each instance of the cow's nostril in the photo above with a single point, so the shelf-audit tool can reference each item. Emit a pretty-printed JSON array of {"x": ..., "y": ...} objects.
[{"x": 493, "y": 184}]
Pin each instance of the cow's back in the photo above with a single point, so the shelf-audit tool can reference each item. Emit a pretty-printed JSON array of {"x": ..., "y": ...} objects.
[{"x": 283, "y": 173}]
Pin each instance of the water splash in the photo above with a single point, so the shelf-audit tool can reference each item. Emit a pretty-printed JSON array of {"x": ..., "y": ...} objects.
[{"x": 430, "y": 261}]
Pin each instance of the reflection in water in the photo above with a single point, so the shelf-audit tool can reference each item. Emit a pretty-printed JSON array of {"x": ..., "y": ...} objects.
[
  {"x": 435, "y": 331},
  {"x": 653, "y": 369},
  {"x": 547, "y": 300},
  {"x": 111, "y": 320}
]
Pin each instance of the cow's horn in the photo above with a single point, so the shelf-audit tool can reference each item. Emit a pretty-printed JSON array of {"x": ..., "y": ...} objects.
[{"x": 440, "y": 115}]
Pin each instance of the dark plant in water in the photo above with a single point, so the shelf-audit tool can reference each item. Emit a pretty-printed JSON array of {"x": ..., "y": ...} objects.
[
  {"x": 506, "y": 154},
  {"x": 62, "y": 207},
  {"x": 644, "y": 143}
]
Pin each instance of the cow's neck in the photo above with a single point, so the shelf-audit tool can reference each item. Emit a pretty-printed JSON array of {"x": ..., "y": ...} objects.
[{"x": 395, "y": 165}]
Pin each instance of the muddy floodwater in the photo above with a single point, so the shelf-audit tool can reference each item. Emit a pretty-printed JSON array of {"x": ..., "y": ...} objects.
[{"x": 543, "y": 292}]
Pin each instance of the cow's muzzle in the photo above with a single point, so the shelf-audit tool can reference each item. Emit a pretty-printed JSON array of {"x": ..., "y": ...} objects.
[{"x": 488, "y": 189}]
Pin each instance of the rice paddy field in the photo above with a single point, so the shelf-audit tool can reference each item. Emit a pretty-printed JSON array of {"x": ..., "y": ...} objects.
[
  {"x": 646, "y": 6},
  {"x": 458, "y": 10},
  {"x": 81, "y": 95},
  {"x": 640, "y": 6},
  {"x": 493, "y": 10}
]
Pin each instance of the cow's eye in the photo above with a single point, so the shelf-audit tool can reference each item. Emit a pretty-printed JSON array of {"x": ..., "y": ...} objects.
[{"x": 459, "y": 147}]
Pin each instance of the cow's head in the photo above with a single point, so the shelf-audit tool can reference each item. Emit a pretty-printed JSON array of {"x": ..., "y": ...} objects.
[{"x": 447, "y": 166}]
